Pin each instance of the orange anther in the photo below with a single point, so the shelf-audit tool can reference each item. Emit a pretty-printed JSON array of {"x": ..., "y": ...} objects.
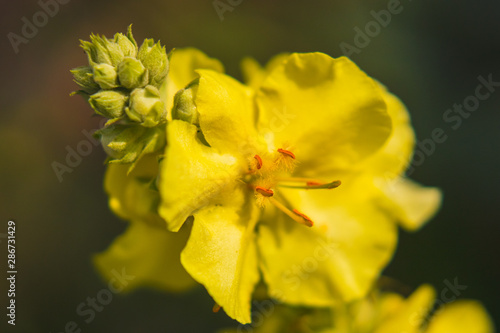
[
  {"x": 264, "y": 191},
  {"x": 259, "y": 161},
  {"x": 307, "y": 221},
  {"x": 286, "y": 152},
  {"x": 313, "y": 184},
  {"x": 216, "y": 308}
]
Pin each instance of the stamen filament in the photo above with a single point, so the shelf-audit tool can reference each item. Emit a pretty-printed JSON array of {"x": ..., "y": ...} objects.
[
  {"x": 314, "y": 185},
  {"x": 295, "y": 215},
  {"x": 299, "y": 180}
]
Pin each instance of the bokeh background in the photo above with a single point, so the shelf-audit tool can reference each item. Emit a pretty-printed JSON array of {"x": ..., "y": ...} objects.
[{"x": 430, "y": 55}]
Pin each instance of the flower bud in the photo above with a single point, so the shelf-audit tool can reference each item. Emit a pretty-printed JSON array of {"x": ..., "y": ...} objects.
[
  {"x": 184, "y": 106},
  {"x": 84, "y": 77},
  {"x": 109, "y": 103},
  {"x": 126, "y": 143},
  {"x": 154, "y": 58},
  {"x": 146, "y": 107},
  {"x": 114, "y": 51},
  {"x": 105, "y": 75},
  {"x": 132, "y": 73},
  {"x": 127, "y": 43},
  {"x": 95, "y": 53}
]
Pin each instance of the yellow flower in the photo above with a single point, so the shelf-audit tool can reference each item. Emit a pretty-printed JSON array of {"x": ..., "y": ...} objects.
[
  {"x": 262, "y": 158},
  {"x": 147, "y": 250},
  {"x": 380, "y": 312},
  {"x": 391, "y": 313}
]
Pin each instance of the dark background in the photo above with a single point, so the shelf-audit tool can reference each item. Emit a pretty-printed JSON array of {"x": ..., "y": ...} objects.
[{"x": 430, "y": 55}]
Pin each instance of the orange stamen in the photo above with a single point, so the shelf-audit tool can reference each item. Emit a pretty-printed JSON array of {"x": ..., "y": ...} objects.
[
  {"x": 286, "y": 152},
  {"x": 259, "y": 161},
  {"x": 313, "y": 183},
  {"x": 307, "y": 221},
  {"x": 264, "y": 191},
  {"x": 295, "y": 215},
  {"x": 216, "y": 308}
]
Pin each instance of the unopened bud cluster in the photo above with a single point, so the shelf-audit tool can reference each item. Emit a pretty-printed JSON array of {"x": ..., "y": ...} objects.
[
  {"x": 122, "y": 83},
  {"x": 122, "y": 80}
]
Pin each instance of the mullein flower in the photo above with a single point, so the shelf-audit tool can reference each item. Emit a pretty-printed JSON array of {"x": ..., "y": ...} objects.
[
  {"x": 387, "y": 312},
  {"x": 259, "y": 172},
  {"x": 381, "y": 312},
  {"x": 244, "y": 175}
]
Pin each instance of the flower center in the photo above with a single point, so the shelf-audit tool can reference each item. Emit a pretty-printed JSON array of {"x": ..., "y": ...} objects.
[{"x": 267, "y": 172}]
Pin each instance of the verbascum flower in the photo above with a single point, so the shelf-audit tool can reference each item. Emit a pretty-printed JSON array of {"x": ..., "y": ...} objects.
[
  {"x": 391, "y": 313},
  {"x": 259, "y": 171},
  {"x": 381, "y": 312},
  {"x": 147, "y": 250}
]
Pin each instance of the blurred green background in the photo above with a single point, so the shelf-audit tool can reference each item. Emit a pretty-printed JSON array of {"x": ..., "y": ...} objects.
[{"x": 430, "y": 55}]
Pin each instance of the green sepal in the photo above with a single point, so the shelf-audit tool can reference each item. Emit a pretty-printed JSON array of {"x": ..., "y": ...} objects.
[{"x": 84, "y": 77}]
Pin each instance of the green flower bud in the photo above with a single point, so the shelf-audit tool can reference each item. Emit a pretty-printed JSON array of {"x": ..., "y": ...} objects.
[
  {"x": 154, "y": 58},
  {"x": 105, "y": 75},
  {"x": 184, "y": 106},
  {"x": 109, "y": 103},
  {"x": 146, "y": 107},
  {"x": 114, "y": 51},
  {"x": 127, "y": 143},
  {"x": 127, "y": 43},
  {"x": 84, "y": 77},
  {"x": 101, "y": 50},
  {"x": 95, "y": 54},
  {"x": 132, "y": 73}
]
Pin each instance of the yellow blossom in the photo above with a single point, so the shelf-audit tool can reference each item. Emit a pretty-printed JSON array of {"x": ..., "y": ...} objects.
[{"x": 259, "y": 171}]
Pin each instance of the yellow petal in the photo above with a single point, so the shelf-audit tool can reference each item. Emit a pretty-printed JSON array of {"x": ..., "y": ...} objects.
[
  {"x": 463, "y": 316},
  {"x": 220, "y": 253},
  {"x": 338, "y": 258},
  {"x": 411, "y": 314},
  {"x": 191, "y": 174},
  {"x": 146, "y": 256},
  {"x": 130, "y": 196},
  {"x": 183, "y": 63},
  {"x": 328, "y": 110},
  {"x": 254, "y": 74},
  {"x": 411, "y": 203},
  {"x": 395, "y": 155},
  {"x": 226, "y": 111}
]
